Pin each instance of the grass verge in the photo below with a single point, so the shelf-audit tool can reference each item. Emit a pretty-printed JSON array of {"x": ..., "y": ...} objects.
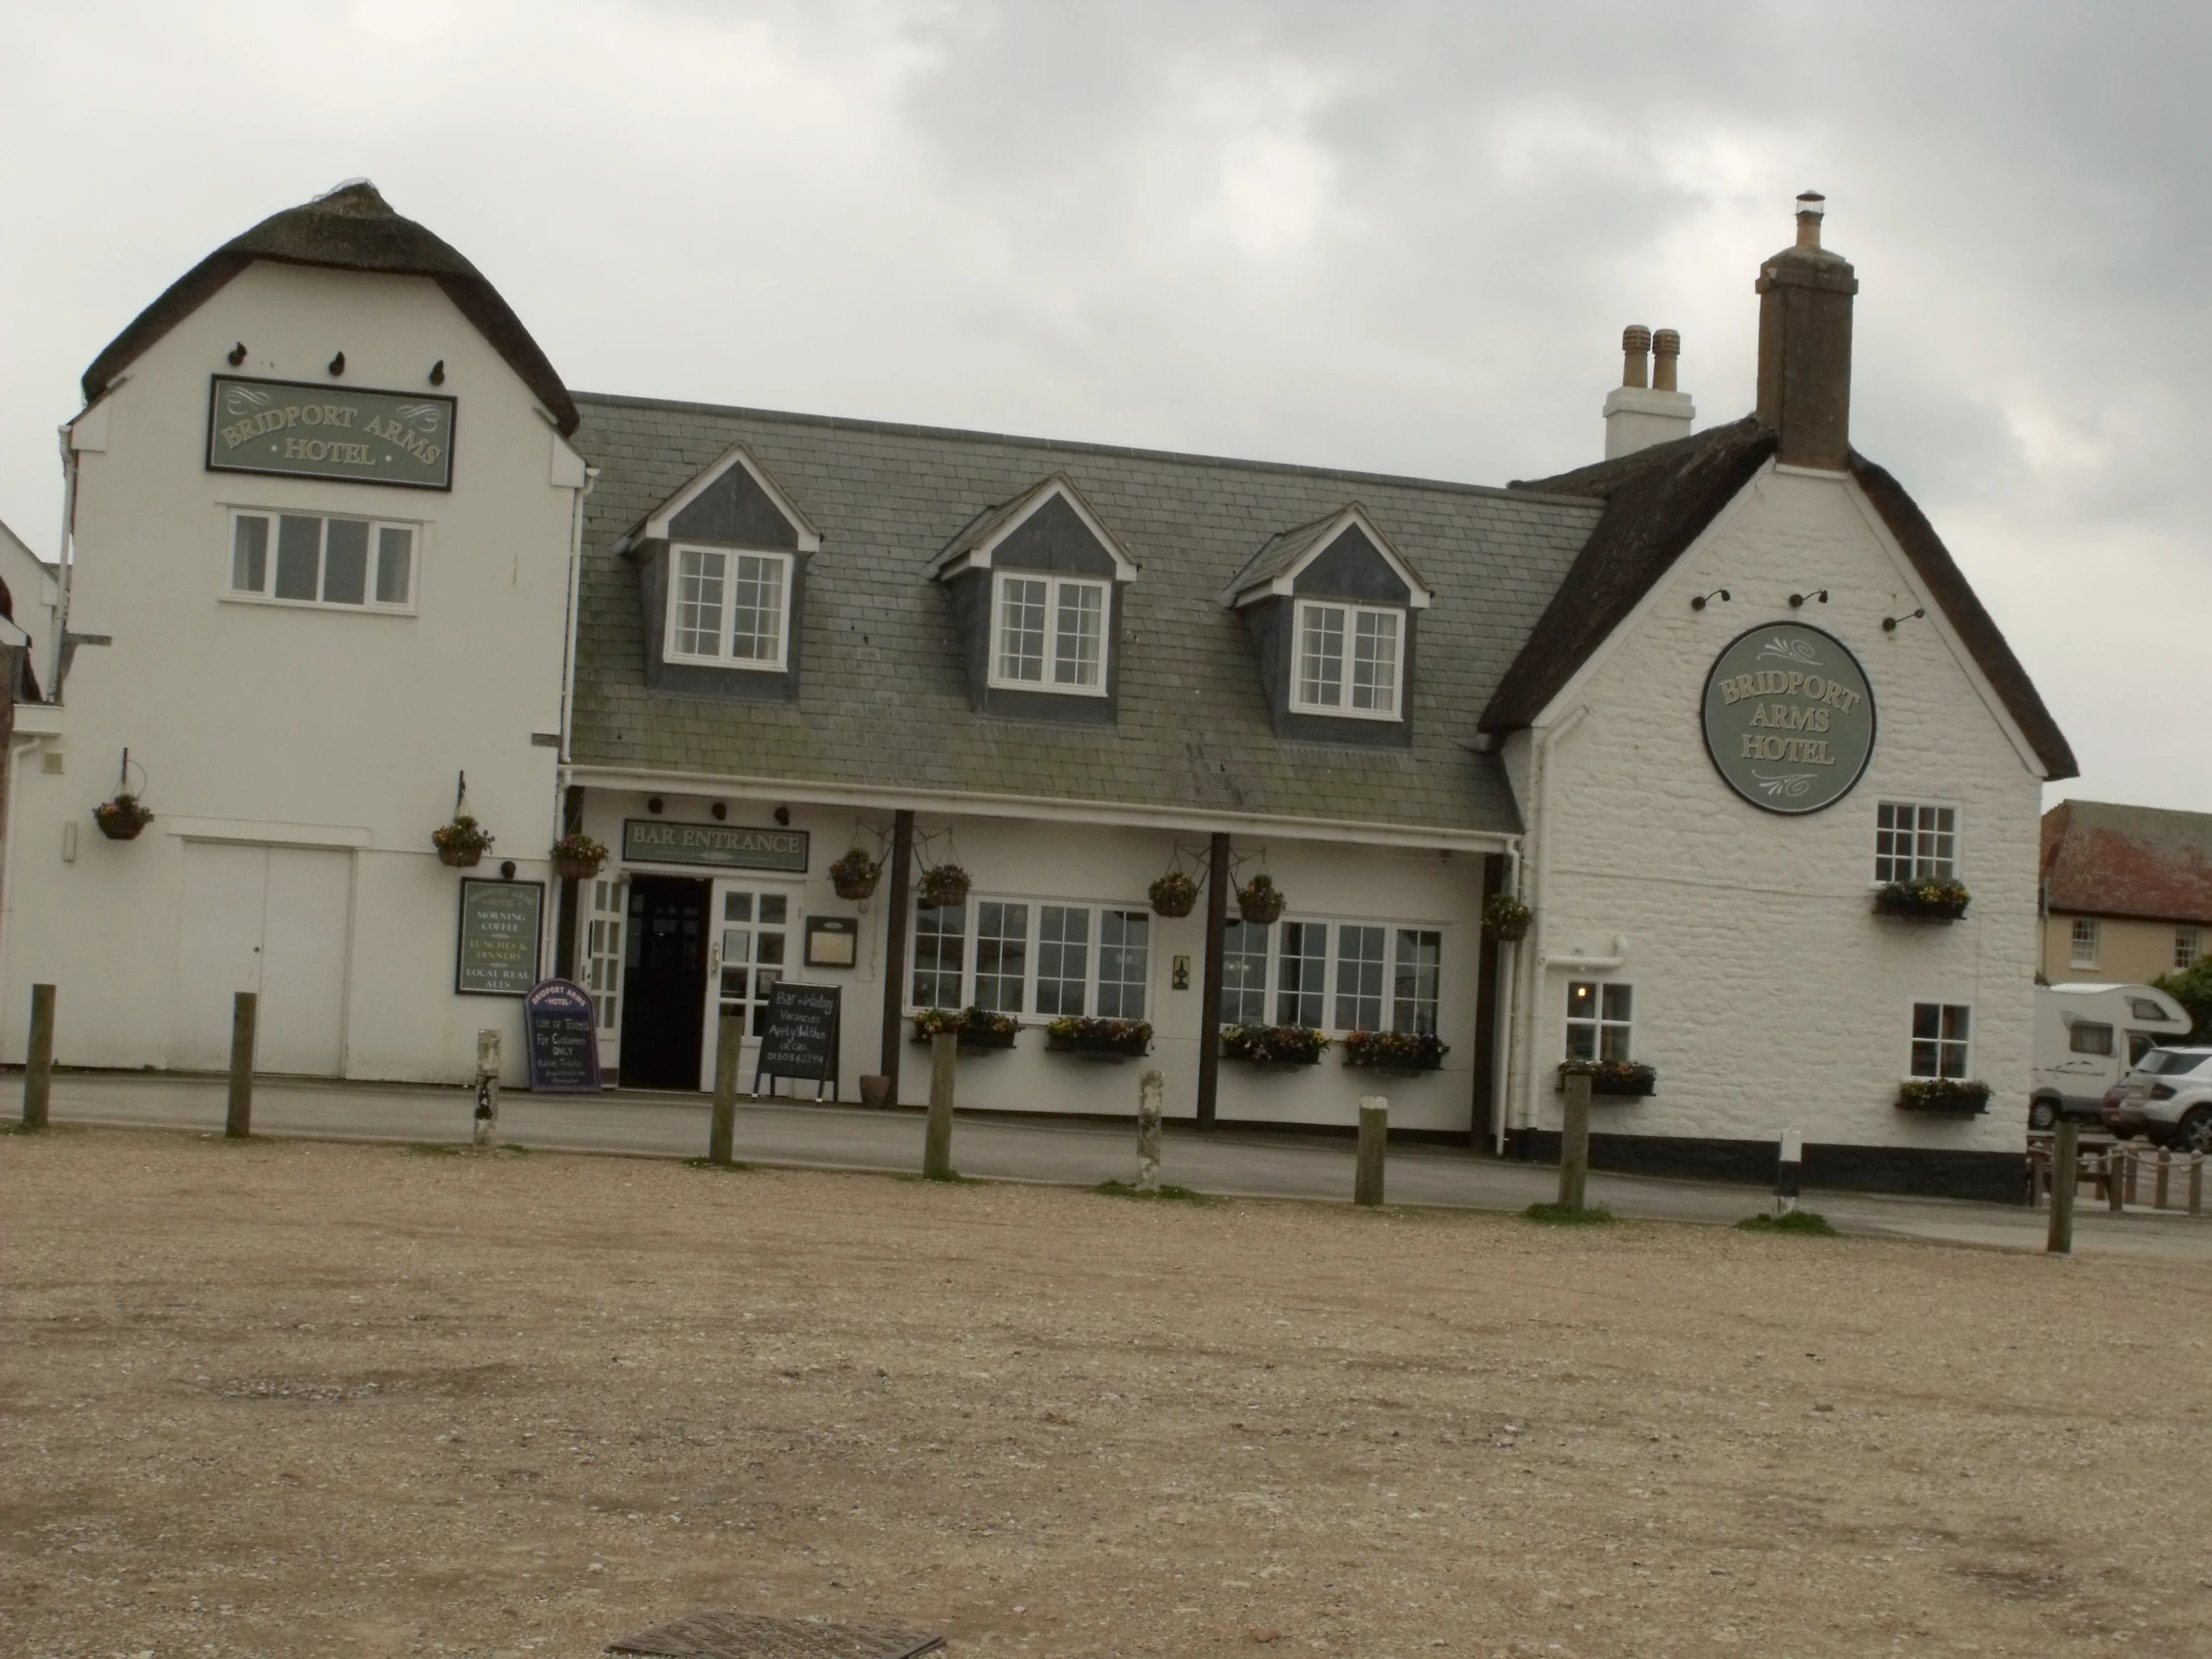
[
  {"x": 1558, "y": 1215},
  {"x": 1797, "y": 1221},
  {"x": 1160, "y": 1195},
  {"x": 708, "y": 1162}
]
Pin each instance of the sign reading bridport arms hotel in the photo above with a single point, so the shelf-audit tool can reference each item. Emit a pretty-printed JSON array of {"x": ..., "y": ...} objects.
[
  {"x": 649, "y": 841},
  {"x": 327, "y": 431},
  {"x": 1789, "y": 717}
]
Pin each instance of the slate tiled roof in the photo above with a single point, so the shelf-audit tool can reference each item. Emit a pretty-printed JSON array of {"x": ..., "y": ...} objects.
[
  {"x": 884, "y": 695},
  {"x": 2106, "y": 860}
]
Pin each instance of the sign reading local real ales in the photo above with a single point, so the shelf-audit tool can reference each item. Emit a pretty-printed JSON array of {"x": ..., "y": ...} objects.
[
  {"x": 1789, "y": 717},
  {"x": 330, "y": 432}
]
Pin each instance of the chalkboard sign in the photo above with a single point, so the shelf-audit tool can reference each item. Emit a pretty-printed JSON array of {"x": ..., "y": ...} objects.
[
  {"x": 564, "y": 1038},
  {"x": 503, "y": 923},
  {"x": 799, "y": 1036}
]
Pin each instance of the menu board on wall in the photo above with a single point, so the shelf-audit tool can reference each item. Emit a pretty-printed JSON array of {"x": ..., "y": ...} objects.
[{"x": 502, "y": 925}]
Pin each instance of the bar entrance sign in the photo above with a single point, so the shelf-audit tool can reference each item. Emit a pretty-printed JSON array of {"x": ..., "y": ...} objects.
[
  {"x": 502, "y": 924},
  {"x": 799, "y": 1036},
  {"x": 563, "y": 1032}
]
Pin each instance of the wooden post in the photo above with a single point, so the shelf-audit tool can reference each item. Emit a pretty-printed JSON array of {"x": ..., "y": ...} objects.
[
  {"x": 2115, "y": 1196},
  {"x": 1218, "y": 879},
  {"x": 38, "y": 1064},
  {"x": 1483, "y": 1121},
  {"x": 487, "y": 1090},
  {"x": 936, "y": 1145},
  {"x": 238, "y": 1123},
  {"x": 1574, "y": 1142},
  {"x": 2065, "y": 1172},
  {"x": 2160, "y": 1175},
  {"x": 2039, "y": 1175},
  {"x": 728, "y": 1046},
  {"x": 1149, "y": 1091},
  {"x": 2196, "y": 1183},
  {"x": 894, "y": 948},
  {"x": 1375, "y": 1136},
  {"x": 2134, "y": 1169}
]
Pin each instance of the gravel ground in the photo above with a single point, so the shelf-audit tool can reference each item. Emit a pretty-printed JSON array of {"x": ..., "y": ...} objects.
[{"x": 288, "y": 1398}]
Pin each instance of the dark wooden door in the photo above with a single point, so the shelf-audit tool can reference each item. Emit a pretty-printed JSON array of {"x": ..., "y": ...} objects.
[{"x": 663, "y": 982}]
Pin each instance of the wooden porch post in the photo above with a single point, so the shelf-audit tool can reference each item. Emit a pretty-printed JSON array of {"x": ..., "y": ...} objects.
[
  {"x": 1209, "y": 1004},
  {"x": 895, "y": 952}
]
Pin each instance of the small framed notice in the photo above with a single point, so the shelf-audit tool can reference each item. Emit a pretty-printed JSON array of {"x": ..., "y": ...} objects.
[
  {"x": 502, "y": 927},
  {"x": 832, "y": 942}
]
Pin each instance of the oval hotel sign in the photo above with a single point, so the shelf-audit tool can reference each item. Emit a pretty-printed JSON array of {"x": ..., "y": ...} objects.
[{"x": 1789, "y": 717}]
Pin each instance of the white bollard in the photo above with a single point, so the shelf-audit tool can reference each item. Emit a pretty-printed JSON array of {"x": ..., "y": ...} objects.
[
  {"x": 1788, "y": 1167},
  {"x": 487, "y": 1089},
  {"x": 1149, "y": 1091}
]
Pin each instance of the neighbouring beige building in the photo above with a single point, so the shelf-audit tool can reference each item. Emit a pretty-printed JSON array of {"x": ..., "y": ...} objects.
[{"x": 2127, "y": 891}]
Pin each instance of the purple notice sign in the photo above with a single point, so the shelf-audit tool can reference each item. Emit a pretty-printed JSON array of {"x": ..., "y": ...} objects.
[{"x": 563, "y": 1030}]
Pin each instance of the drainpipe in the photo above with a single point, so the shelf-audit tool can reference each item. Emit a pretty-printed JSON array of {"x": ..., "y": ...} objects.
[
  {"x": 575, "y": 598},
  {"x": 63, "y": 556},
  {"x": 1539, "y": 900},
  {"x": 1502, "y": 1033}
]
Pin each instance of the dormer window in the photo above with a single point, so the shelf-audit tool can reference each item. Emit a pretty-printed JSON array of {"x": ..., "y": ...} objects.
[
  {"x": 1348, "y": 660},
  {"x": 730, "y": 609},
  {"x": 1050, "y": 633}
]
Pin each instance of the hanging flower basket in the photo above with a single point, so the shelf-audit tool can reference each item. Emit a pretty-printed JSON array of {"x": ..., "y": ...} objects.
[
  {"x": 941, "y": 888},
  {"x": 122, "y": 818},
  {"x": 462, "y": 842},
  {"x": 855, "y": 876},
  {"x": 1116, "y": 1039},
  {"x": 976, "y": 1027},
  {"x": 1274, "y": 1045},
  {"x": 1260, "y": 901},
  {"x": 1947, "y": 1096},
  {"x": 1618, "y": 1079},
  {"x": 1173, "y": 894},
  {"x": 578, "y": 858},
  {"x": 1398, "y": 1053},
  {"x": 1505, "y": 918},
  {"x": 1921, "y": 901}
]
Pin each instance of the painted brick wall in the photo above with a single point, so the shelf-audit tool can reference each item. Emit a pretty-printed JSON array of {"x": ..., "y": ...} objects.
[{"x": 1767, "y": 994}]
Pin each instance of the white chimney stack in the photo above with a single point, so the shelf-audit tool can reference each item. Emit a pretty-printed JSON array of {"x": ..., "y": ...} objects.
[{"x": 1645, "y": 408}]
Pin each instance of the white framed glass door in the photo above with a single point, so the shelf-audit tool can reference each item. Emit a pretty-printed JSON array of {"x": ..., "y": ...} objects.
[{"x": 752, "y": 949}]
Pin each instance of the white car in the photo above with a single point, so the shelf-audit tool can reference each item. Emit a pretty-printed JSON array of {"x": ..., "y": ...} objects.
[{"x": 2167, "y": 1100}]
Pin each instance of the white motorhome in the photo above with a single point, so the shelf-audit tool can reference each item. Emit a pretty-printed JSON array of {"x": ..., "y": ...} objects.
[{"x": 2086, "y": 1036}]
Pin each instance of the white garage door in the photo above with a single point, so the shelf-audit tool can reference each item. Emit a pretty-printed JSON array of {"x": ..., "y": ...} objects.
[{"x": 272, "y": 920}]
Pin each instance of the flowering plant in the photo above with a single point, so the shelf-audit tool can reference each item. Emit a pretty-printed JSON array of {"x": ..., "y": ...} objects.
[
  {"x": 1098, "y": 1036},
  {"x": 1922, "y": 900},
  {"x": 1295, "y": 1045},
  {"x": 1944, "y": 1094},
  {"x": 1631, "y": 1078},
  {"x": 577, "y": 855},
  {"x": 1505, "y": 917},
  {"x": 1174, "y": 894},
  {"x": 1396, "y": 1050}
]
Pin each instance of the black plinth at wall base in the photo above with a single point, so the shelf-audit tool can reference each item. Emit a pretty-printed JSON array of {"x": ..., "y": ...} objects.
[{"x": 1995, "y": 1177}]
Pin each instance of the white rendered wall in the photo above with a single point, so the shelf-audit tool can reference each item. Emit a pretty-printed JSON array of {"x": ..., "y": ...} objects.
[
  {"x": 296, "y": 726},
  {"x": 1767, "y": 994},
  {"x": 1049, "y": 860}
]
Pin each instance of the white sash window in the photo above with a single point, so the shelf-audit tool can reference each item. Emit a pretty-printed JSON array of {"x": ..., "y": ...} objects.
[
  {"x": 1349, "y": 660},
  {"x": 728, "y": 608},
  {"x": 1048, "y": 633}
]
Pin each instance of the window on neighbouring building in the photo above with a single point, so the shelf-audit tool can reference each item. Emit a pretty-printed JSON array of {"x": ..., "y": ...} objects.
[
  {"x": 1048, "y": 633},
  {"x": 2084, "y": 943},
  {"x": 2188, "y": 946},
  {"x": 1599, "y": 1020},
  {"x": 1914, "y": 843},
  {"x": 1033, "y": 958},
  {"x": 728, "y": 608},
  {"x": 2088, "y": 1037},
  {"x": 1940, "y": 1039},
  {"x": 1331, "y": 975},
  {"x": 354, "y": 564},
  {"x": 1348, "y": 660}
]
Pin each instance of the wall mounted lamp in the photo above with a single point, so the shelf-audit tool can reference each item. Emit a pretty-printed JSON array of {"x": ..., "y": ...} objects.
[
  {"x": 437, "y": 372},
  {"x": 1797, "y": 600},
  {"x": 1703, "y": 599},
  {"x": 337, "y": 363},
  {"x": 1889, "y": 623},
  {"x": 237, "y": 354}
]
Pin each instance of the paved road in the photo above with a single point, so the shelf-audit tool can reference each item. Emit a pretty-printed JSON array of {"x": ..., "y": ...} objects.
[{"x": 1233, "y": 1162}]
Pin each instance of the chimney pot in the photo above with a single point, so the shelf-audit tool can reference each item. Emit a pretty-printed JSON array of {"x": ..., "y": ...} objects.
[
  {"x": 1635, "y": 344},
  {"x": 1666, "y": 346},
  {"x": 1811, "y": 207}
]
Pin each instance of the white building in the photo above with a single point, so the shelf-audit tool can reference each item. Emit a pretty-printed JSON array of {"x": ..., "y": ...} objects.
[{"x": 1696, "y": 705}]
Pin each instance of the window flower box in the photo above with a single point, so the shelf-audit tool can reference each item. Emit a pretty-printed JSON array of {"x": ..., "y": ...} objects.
[
  {"x": 1394, "y": 1053},
  {"x": 1173, "y": 894},
  {"x": 578, "y": 858},
  {"x": 1099, "y": 1039},
  {"x": 1921, "y": 901},
  {"x": 1260, "y": 901},
  {"x": 1505, "y": 918},
  {"x": 1946, "y": 1096},
  {"x": 941, "y": 888},
  {"x": 122, "y": 818},
  {"x": 461, "y": 844},
  {"x": 976, "y": 1027},
  {"x": 1274, "y": 1045},
  {"x": 855, "y": 876},
  {"x": 1615, "y": 1079}
]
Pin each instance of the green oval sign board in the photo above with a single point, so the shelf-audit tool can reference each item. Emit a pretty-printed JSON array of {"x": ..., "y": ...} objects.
[{"x": 1789, "y": 717}]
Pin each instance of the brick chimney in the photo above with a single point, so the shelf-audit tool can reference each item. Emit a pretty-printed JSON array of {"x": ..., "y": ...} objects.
[
  {"x": 1645, "y": 408},
  {"x": 1804, "y": 296}
]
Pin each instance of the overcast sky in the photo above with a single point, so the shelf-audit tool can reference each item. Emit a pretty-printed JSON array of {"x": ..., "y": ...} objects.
[{"x": 1393, "y": 237}]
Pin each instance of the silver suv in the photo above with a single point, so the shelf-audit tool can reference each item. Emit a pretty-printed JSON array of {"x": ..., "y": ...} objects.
[{"x": 2166, "y": 1098}]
